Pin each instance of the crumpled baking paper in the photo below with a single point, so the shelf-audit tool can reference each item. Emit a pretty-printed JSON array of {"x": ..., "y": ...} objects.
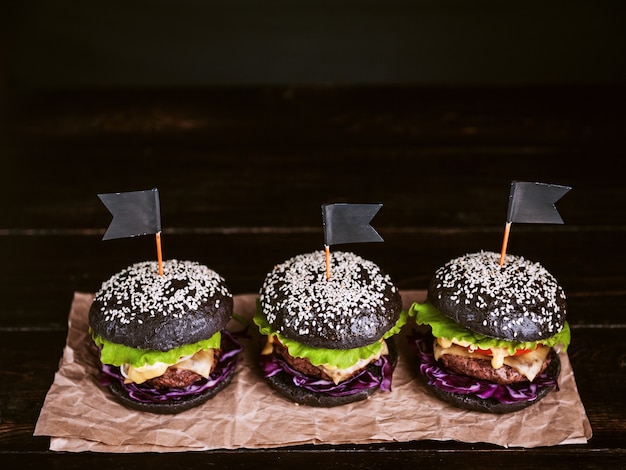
[{"x": 79, "y": 415}]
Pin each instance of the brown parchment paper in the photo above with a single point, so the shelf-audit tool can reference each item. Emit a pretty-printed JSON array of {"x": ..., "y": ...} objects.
[{"x": 79, "y": 415}]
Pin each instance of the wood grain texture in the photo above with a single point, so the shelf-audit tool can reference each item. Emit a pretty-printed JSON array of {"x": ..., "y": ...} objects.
[{"x": 242, "y": 173}]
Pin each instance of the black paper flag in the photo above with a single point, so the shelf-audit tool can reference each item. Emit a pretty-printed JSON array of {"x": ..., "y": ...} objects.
[
  {"x": 134, "y": 213},
  {"x": 533, "y": 203},
  {"x": 349, "y": 223}
]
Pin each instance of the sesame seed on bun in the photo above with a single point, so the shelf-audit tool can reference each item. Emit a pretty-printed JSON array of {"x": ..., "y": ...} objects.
[
  {"x": 161, "y": 338},
  {"x": 519, "y": 300},
  {"x": 139, "y": 308},
  {"x": 355, "y": 307},
  {"x": 329, "y": 340},
  {"x": 495, "y": 332}
]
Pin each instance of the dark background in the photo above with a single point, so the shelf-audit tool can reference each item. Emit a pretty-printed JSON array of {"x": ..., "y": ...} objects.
[
  {"x": 249, "y": 114},
  {"x": 67, "y": 44}
]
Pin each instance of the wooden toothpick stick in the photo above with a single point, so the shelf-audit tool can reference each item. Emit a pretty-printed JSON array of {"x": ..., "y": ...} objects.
[
  {"x": 505, "y": 242},
  {"x": 327, "y": 261},
  {"x": 159, "y": 255}
]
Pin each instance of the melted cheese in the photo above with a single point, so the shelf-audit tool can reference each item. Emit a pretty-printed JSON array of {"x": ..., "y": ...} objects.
[
  {"x": 269, "y": 345},
  {"x": 497, "y": 354},
  {"x": 337, "y": 374},
  {"x": 334, "y": 372},
  {"x": 201, "y": 363},
  {"x": 528, "y": 364}
]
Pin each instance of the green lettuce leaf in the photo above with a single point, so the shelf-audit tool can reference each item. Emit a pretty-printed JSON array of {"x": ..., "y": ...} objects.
[
  {"x": 444, "y": 327},
  {"x": 118, "y": 354},
  {"x": 341, "y": 358}
]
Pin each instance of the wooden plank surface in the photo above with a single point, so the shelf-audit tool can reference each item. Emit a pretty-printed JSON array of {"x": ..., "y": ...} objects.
[{"x": 242, "y": 173}]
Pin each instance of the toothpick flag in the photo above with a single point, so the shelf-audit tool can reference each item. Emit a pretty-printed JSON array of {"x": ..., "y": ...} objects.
[
  {"x": 532, "y": 203},
  {"x": 348, "y": 223},
  {"x": 134, "y": 213}
]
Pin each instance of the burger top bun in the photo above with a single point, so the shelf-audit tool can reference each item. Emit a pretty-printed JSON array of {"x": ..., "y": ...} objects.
[
  {"x": 139, "y": 308},
  {"x": 518, "y": 301},
  {"x": 355, "y": 307}
]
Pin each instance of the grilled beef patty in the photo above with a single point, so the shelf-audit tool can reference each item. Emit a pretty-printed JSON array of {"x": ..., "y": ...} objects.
[{"x": 481, "y": 369}]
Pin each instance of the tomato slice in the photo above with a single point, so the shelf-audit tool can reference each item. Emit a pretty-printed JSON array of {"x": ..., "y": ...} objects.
[
  {"x": 519, "y": 352},
  {"x": 488, "y": 352}
]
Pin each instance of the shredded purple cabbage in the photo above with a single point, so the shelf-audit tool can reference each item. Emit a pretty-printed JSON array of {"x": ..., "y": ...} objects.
[
  {"x": 272, "y": 365},
  {"x": 145, "y": 393},
  {"x": 448, "y": 381}
]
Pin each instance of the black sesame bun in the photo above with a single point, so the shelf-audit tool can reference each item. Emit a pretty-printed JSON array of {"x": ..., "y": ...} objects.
[
  {"x": 139, "y": 318},
  {"x": 314, "y": 325},
  {"x": 495, "y": 327},
  {"x": 518, "y": 301}
]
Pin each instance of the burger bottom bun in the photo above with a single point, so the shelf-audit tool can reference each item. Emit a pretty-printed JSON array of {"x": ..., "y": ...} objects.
[
  {"x": 283, "y": 384},
  {"x": 172, "y": 406},
  {"x": 472, "y": 402}
]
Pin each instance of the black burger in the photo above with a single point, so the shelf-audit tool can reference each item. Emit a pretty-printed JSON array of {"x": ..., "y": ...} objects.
[
  {"x": 329, "y": 341},
  {"x": 494, "y": 332},
  {"x": 161, "y": 339}
]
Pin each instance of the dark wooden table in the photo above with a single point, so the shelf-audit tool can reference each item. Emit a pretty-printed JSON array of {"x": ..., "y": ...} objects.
[{"x": 242, "y": 173}]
